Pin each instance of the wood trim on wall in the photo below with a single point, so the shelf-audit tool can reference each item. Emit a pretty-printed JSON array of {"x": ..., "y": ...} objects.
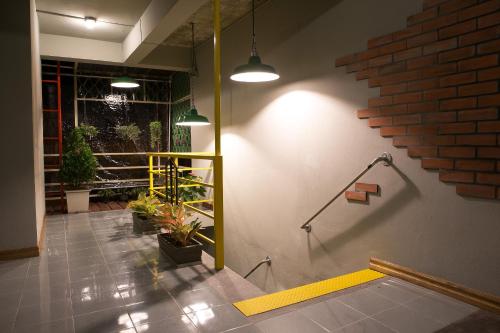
[{"x": 478, "y": 298}]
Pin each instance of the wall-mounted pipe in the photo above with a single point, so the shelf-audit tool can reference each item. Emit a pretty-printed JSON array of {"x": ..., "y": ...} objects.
[{"x": 266, "y": 260}]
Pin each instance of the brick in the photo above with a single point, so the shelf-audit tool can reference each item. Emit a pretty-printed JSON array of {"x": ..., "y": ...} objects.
[
  {"x": 393, "y": 110},
  {"x": 489, "y": 47},
  {"x": 475, "y": 165},
  {"x": 458, "y": 54},
  {"x": 368, "y": 188},
  {"x": 457, "y": 79},
  {"x": 437, "y": 163},
  {"x": 439, "y": 22},
  {"x": 382, "y": 121},
  {"x": 476, "y": 191},
  {"x": 479, "y": 36},
  {"x": 456, "y": 176},
  {"x": 392, "y": 68},
  {"x": 498, "y": 169},
  {"x": 440, "y": 93},
  {"x": 439, "y": 70},
  {"x": 393, "y": 78},
  {"x": 457, "y": 29},
  {"x": 407, "y": 98},
  {"x": 488, "y": 20},
  {"x": 379, "y": 61},
  {"x": 407, "y": 119},
  {"x": 429, "y": 129},
  {"x": 440, "y": 46},
  {"x": 488, "y": 152},
  {"x": 367, "y": 113},
  {"x": 479, "y": 62},
  {"x": 392, "y": 48},
  {"x": 421, "y": 62},
  {"x": 367, "y": 55},
  {"x": 476, "y": 140},
  {"x": 481, "y": 9},
  {"x": 422, "y": 151},
  {"x": 423, "y": 107},
  {"x": 356, "y": 196},
  {"x": 408, "y": 32},
  {"x": 489, "y": 74},
  {"x": 458, "y": 103},
  {"x": 440, "y": 117},
  {"x": 379, "y": 101},
  {"x": 431, "y": 3},
  {"x": 378, "y": 41},
  {"x": 423, "y": 16},
  {"x": 408, "y": 54},
  {"x": 422, "y": 85},
  {"x": 457, "y": 152},
  {"x": 392, "y": 131},
  {"x": 489, "y": 100},
  {"x": 457, "y": 128},
  {"x": 439, "y": 140},
  {"x": 478, "y": 89},
  {"x": 357, "y": 66},
  {"x": 422, "y": 39},
  {"x": 345, "y": 60},
  {"x": 488, "y": 178},
  {"x": 489, "y": 126},
  {"x": 366, "y": 74},
  {"x": 454, "y": 5},
  {"x": 393, "y": 89},
  {"x": 478, "y": 114},
  {"x": 404, "y": 141}
]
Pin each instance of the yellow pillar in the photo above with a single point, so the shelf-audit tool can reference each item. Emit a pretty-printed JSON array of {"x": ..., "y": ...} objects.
[{"x": 151, "y": 179}]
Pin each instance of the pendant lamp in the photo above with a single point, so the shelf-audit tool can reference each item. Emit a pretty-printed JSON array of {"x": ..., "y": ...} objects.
[
  {"x": 124, "y": 82},
  {"x": 254, "y": 70}
]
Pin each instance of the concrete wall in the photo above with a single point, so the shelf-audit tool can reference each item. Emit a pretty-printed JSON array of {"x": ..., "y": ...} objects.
[
  {"x": 289, "y": 146},
  {"x": 21, "y": 190}
]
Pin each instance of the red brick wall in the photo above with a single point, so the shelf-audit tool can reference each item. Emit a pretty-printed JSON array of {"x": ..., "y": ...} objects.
[{"x": 439, "y": 91}]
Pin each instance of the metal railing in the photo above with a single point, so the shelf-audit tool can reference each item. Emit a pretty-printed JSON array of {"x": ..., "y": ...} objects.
[
  {"x": 385, "y": 157},
  {"x": 266, "y": 260},
  {"x": 168, "y": 176}
]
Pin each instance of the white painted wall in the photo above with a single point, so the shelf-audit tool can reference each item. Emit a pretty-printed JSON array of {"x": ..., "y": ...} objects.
[
  {"x": 21, "y": 170},
  {"x": 289, "y": 146}
]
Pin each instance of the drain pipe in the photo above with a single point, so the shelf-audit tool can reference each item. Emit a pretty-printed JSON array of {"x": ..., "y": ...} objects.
[{"x": 266, "y": 260}]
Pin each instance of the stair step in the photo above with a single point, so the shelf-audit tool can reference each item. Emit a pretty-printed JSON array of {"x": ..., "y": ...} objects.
[
  {"x": 368, "y": 188},
  {"x": 288, "y": 297},
  {"x": 356, "y": 196}
]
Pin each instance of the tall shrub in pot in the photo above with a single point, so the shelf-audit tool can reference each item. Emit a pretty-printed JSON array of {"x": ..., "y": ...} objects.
[{"x": 78, "y": 170}]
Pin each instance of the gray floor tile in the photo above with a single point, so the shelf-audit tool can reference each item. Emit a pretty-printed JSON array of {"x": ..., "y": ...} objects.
[
  {"x": 41, "y": 295},
  {"x": 181, "y": 324},
  {"x": 200, "y": 299},
  {"x": 402, "y": 319},
  {"x": 16, "y": 272},
  {"x": 59, "y": 326},
  {"x": 89, "y": 272},
  {"x": 43, "y": 313},
  {"x": 439, "y": 309},
  {"x": 395, "y": 292},
  {"x": 366, "y": 301},
  {"x": 332, "y": 314},
  {"x": 245, "y": 329},
  {"x": 46, "y": 267},
  {"x": 218, "y": 319},
  {"x": 93, "y": 286},
  {"x": 111, "y": 320},
  {"x": 11, "y": 285},
  {"x": 293, "y": 322},
  {"x": 8, "y": 313},
  {"x": 96, "y": 302},
  {"x": 49, "y": 280},
  {"x": 365, "y": 326},
  {"x": 151, "y": 308}
]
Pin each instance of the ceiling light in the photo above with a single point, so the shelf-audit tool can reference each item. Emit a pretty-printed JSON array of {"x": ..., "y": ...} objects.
[
  {"x": 192, "y": 118},
  {"x": 124, "y": 82},
  {"x": 90, "y": 22},
  {"x": 255, "y": 70}
]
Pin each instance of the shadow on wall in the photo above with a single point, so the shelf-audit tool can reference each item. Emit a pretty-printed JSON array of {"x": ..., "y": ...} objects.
[{"x": 397, "y": 201}]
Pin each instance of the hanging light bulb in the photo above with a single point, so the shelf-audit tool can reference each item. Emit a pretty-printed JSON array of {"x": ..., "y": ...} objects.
[
  {"x": 124, "y": 82},
  {"x": 254, "y": 70},
  {"x": 90, "y": 22},
  {"x": 192, "y": 118}
]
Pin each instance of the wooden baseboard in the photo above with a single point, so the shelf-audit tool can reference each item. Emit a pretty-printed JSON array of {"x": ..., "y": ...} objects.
[
  {"x": 26, "y": 252},
  {"x": 471, "y": 296}
]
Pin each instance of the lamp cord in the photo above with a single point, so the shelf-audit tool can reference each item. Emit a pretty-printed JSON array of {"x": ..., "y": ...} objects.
[
  {"x": 194, "y": 66},
  {"x": 254, "y": 44}
]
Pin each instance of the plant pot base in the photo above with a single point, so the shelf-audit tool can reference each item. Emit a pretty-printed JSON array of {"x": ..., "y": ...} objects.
[
  {"x": 181, "y": 256},
  {"x": 142, "y": 226}
]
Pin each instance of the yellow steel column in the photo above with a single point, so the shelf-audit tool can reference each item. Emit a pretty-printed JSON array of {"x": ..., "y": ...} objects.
[
  {"x": 151, "y": 179},
  {"x": 218, "y": 175},
  {"x": 174, "y": 181}
]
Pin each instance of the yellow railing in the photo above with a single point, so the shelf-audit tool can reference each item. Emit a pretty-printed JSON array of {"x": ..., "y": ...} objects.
[{"x": 160, "y": 172}]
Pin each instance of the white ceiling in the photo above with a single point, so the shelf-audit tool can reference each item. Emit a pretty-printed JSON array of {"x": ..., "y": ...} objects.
[{"x": 124, "y": 12}]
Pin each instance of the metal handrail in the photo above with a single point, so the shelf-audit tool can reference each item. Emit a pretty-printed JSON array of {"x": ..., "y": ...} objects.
[
  {"x": 385, "y": 157},
  {"x": 266, "y": 260}
]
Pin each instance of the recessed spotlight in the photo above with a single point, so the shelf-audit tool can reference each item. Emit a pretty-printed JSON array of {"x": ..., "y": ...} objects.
[{"x": 90, "y": 22}]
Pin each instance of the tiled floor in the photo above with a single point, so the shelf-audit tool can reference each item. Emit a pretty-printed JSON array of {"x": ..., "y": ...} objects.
[{"x": 95, "y": 276}]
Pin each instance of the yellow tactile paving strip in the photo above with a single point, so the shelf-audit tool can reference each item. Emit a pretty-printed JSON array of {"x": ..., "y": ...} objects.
[{"x": 287, "y": 297}]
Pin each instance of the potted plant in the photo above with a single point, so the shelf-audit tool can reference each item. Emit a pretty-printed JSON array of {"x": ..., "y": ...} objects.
[
  {"x": 78, "y": 170},
  {"x": 143, "y": 210},
  {"x": 129, "y": 132},
  {"x": 178, "y": 242}
]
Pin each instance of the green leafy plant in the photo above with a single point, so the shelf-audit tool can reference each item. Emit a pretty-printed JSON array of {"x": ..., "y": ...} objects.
[
  {"x": 191, "y": 193},
  {"x": 78, "y": 163},
  {"x": 155, "y": 135},
  {"x": 145, "y": 206},
  {"x": 107, "y": 194},
  {"x": 88, "y": 131},
  {"x": 173, "y": 218},
  {"x": 129, "y": 132}
]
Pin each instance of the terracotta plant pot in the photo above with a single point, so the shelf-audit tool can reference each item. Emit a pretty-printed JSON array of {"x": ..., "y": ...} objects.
[
  {"x": 143, "y": 225},
  {"x": 180, "y": 255},
  {"x": 77, "y": 201}
]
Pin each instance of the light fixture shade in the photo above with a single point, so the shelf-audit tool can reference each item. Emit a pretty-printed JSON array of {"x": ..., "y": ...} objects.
[
  {"x": 124, "y": 82},
  {"x": 254, "y": 71},
  {"x": 90, "y": 22},
  {"x": 192, "y": 118}
]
